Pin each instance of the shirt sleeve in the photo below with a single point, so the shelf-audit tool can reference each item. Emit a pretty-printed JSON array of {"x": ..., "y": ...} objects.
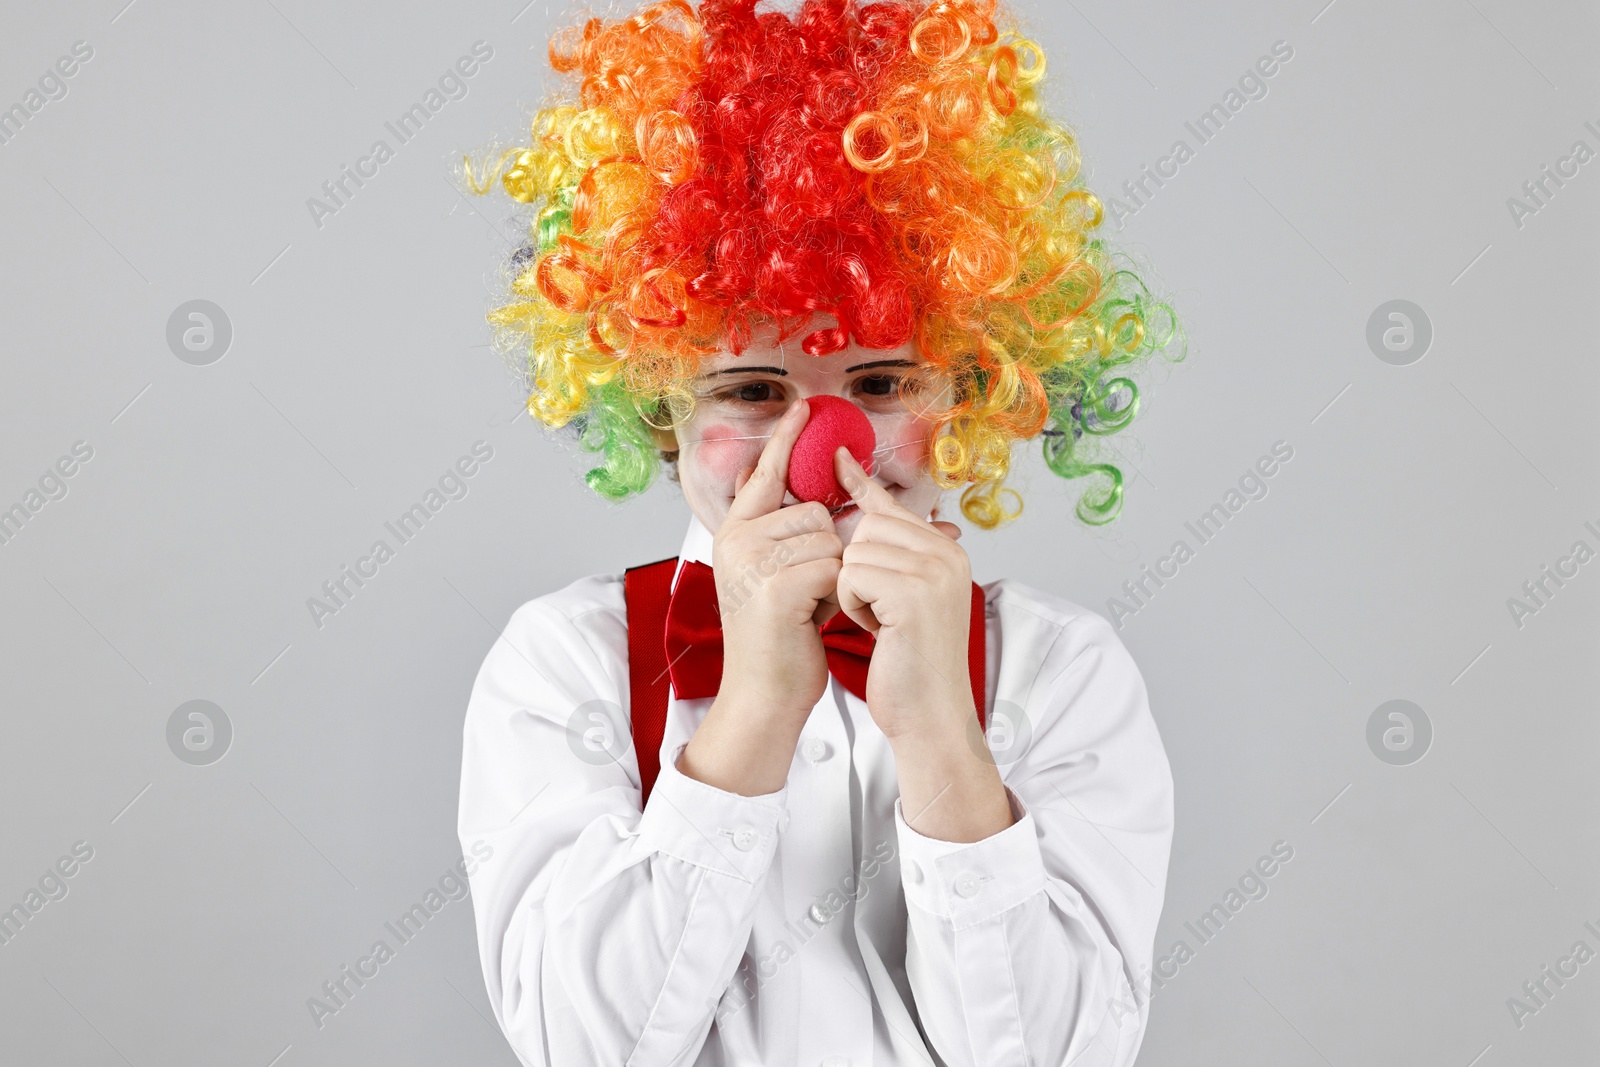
[
  {"x": 607, "y": 934},
  {"x": 1027, "y": 948}
]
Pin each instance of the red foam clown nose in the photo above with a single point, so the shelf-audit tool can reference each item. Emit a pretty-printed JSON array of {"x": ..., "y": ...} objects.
[{"x": 834, "y": 421}]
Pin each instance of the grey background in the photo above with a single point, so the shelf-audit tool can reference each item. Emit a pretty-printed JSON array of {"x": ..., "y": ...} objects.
[{"x": 220, "y": 497}]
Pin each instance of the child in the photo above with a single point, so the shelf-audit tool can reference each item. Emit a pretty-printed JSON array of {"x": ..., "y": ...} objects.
[{"x": 806, "y": 793}]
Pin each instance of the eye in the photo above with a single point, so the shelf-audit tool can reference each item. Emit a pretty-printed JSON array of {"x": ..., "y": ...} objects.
[
  {"x": 754, "y": 395},
  {"x": 751, "y": 393},
  {"x": 880, "y": 384}
]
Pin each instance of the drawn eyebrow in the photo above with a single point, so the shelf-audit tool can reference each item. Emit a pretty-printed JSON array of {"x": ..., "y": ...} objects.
[
  {"x": 745, "y": 370},
  {"x": 881, "y": 363}
]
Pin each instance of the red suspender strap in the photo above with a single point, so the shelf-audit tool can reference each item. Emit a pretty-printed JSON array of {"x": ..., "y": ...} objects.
[
  {"x": 977, "y": 647},
  {"x": 646, "y": 589}
]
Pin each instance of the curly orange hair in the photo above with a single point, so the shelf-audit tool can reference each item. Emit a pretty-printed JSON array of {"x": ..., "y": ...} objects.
[{"x": 888, "y": 164}]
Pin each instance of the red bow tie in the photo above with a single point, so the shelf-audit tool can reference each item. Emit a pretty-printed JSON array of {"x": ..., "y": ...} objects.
[{"x": 694, "y": 641}]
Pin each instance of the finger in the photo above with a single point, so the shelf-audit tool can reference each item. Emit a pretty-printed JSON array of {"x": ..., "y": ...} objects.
[
  {"x": 902, "y": 561},
  {"x": 806, "y": 520},
  {"x": 949, "y": 529},
  {"x": 763, "y": 493},
  {"x": 803, "y": 548},
  {"x": 819, "y": 578},
  {"x": 868, "y": 494},
  {"x": 904, "y": 530},
  {"x": 795, "y": 520},
  {"x": 744, "y": 476},
  {"x": 855, "y": 600},
  {"x": 862, "y": 617}
]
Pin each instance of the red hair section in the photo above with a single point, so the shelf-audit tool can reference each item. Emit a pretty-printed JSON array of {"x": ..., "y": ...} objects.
[{"x": 775, "y": 223}]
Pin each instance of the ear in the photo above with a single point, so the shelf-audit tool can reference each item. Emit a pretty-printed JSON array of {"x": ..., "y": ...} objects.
[{"x": 666, "y": 440}]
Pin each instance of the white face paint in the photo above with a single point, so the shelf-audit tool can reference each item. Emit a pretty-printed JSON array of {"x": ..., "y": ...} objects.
[{"x": 738, "y": 400}]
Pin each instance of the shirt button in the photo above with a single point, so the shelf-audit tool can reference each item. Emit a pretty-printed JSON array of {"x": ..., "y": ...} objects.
[
  {"x": 744, "y": 839},
  {"x": 820, "y": 915},
  {"x": 783, "y": 820},
  {"x": 914, "y": 872},
  {"x": 966, "y": 884},
  {"x": 815, "y": 750}
]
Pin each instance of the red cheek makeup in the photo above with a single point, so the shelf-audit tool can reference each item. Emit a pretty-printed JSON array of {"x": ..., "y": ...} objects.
[{"x": 724, "y": 452}]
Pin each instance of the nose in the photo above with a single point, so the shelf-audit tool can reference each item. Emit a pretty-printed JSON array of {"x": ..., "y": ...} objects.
[{"x": 835, "y": 420}]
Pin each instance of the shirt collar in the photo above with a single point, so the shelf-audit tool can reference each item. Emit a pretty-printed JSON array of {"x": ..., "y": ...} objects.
[{"x": 697, "y": 543}]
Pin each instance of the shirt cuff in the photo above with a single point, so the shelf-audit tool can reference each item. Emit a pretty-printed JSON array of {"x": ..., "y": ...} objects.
[
  {"x": 971, "y": 882},
  {"x": 709, "y": 827}
]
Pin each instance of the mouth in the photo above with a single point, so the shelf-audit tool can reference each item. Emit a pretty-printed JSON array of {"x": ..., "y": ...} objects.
[{"x": 840, "y": 512}]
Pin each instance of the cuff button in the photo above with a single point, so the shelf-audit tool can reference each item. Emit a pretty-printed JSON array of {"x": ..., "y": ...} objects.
[
  {"x": 966, "y": 884},
  {"x": 914, "y": 872},
  {"x": 744, "y": 839}
]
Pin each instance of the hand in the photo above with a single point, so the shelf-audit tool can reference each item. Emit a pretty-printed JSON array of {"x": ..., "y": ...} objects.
[
  {"x": 908, "y": 582},
  {"x": 775, "y": 567}
]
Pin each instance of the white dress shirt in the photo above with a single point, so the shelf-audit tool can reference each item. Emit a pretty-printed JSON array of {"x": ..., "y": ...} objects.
[{"x": 812, "y": 927}]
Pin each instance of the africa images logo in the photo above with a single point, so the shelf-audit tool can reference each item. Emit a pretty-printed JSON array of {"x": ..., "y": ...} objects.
[{"x": 338, "y": 191}]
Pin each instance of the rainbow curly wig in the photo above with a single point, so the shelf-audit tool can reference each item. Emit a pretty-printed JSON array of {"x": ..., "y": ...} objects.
[{"x": 887, "y": 164}]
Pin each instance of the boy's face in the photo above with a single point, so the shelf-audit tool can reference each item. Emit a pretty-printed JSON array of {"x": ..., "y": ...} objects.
[{"x": 740, "y": 398}]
